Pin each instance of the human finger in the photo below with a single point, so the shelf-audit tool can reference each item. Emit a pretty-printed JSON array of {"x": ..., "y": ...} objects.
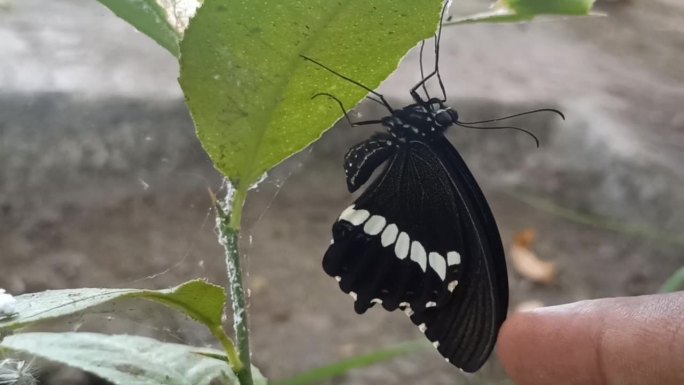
[{"x": 635, "y": 340}]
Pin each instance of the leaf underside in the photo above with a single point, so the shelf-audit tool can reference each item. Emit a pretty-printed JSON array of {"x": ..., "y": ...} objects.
[
  {"x": 200, "y": 300},
  {"x": 125, "y": 360}
]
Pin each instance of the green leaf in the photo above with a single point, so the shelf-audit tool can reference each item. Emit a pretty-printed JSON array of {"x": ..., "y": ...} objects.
[
  {"x": 200, "y": 300},
  {"x": 125, "y": 360},
  {"x": 149, "y": 18},
  {"x": 674, "y": 283},
  {"x": 511, "y": 11},
  {"x": 549, "y": 7},
  {"x": 338, "y": 368},
  {"x": 248, "y": 89}
]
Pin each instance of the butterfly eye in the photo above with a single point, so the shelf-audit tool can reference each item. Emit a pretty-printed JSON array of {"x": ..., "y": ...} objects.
[
  {"x": 454, "y": 115},
  {"x": 444, "y": 118}
]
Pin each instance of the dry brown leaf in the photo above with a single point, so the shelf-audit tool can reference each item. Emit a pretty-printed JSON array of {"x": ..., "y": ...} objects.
[{"x": 527, "y": 263}]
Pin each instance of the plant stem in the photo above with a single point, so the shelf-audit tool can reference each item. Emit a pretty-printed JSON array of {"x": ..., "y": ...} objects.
[
  {"x": 229, "y": 215},
  {"x": 233, "y": 356}
]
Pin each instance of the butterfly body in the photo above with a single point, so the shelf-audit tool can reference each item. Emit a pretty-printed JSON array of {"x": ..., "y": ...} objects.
[
  {"x": 421, "y": 237},
  {"x": 421, "y": 122}
]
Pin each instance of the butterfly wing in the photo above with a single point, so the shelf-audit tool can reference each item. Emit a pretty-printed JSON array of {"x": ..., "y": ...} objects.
[
  {"x": 466, "y": 328},
  {"x": 362, "y": 159},
  {"x": 422, "y": 238}
]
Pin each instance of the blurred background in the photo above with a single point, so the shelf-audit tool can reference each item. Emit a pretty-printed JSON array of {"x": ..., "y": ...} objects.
[{"x": 103, "y": 183}]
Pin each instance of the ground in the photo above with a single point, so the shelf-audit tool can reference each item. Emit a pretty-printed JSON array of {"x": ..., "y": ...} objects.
[{"x": 104, "y": 184}]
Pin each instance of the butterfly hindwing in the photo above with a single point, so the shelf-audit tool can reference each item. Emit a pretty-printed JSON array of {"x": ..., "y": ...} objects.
[
  {"x": 422, "y": 238},
  {"x": 465, "y": 329}
]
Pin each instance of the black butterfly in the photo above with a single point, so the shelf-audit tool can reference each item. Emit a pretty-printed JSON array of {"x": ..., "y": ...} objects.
[{"x": 422, "y": 238}]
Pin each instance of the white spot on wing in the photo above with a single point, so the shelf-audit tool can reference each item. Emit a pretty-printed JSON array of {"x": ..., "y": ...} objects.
[
  {"x": 374, "y": 225},
  {"x": 438, "y": 264},
  {"x": 408, "y": 311},
  {"x": 453, "y": 258},
  {"x": 431, "y": 304},
  {"x": 401, "y": 249},
  {"x": 338, "y": 278},
  {"x": 353, "y": 295},
  {"x": 359, "y": 217},
  {"x": 435, "y": 344},
  {"x": 422, "y": 328},
  {"x": 376, "y": 300},
  {"x": 347, "y": 213},
  {"x": 452, "y": 285},
  {"x": 389, "y": 235},
  {"x": 418, "y": 255}
]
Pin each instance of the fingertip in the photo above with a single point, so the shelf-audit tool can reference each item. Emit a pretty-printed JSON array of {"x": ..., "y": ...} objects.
[
  {"x": 513, "y": 334},
  {"x": 616, "y": 340},
  {"x": 523, "y": 350},
  {"x": 551, "y": 344}
]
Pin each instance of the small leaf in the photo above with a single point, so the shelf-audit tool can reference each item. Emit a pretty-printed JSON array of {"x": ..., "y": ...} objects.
[
  {"x": 125, "y": 360},
  {"x": 549, "y": 7},
  {"x": 248, "y": 89},
  {"x": 149, "y": 18},
  {"x": 512, "y": 11},
  {"x": 200, "y": 300}
]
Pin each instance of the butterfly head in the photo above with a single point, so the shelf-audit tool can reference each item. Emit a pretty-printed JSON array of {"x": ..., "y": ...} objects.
[{"x": 420, "y": 120}]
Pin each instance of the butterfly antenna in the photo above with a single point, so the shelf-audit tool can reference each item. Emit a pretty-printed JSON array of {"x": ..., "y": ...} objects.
[
  {"x": 422, "y": 73},
  {"x": 536, "y": 140},
  {"x": 437, "y": 46},
  {"x": 381, "y": 98},
  {"x": 424, "y": 80},
  {"x": 344, "y": 110},
  {"x": 520, "y": 114}
]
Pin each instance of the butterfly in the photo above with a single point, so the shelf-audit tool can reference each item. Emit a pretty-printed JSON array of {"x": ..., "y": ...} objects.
[{"x": 421, "y": 237}]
